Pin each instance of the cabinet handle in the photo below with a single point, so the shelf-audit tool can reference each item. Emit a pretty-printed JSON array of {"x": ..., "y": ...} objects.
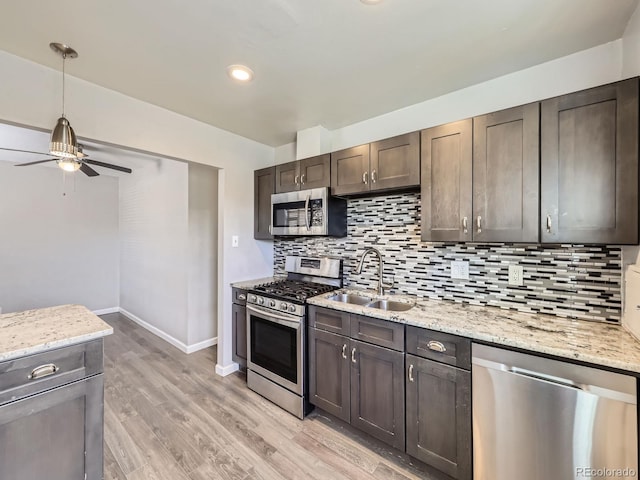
[
  {"x": 302, "y": 179},
  {"x": 270, "y": 230},
  {"x": 344, "y": 351},
  {"x": 43, "y": 371},
  {"x": 365, "y": 176},
  {"x": 296, "y": 179},
  {"x": 479, "y": 224},
  {"x": 353, "y": 354},
  {"x": 548, "y": 223},
  {"x": 411, "y": 373},
  {"x": 373, "y": 176},
  {"x": 436, "y": 346},
  {"x": 242, "y": 296},
  {"x": 465, "y": 226}
]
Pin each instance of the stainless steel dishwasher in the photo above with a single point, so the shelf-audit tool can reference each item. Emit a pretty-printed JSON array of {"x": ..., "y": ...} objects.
[{"x": 540, "y": 419}]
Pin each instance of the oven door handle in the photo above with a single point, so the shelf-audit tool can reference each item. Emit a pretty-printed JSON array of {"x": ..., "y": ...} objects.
[{"x": 274, "y": 317}]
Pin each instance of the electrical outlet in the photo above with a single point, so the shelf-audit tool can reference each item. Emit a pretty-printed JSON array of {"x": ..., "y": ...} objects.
[
  {"x": 516, "y": 274},
  {"x": 234, "y": 241},
  {"x": 460, "y": 270}
]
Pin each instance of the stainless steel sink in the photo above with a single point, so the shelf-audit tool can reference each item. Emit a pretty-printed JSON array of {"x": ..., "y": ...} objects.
[
  {"x": 390, "y": 305},
  {"x": 350, "y": 298}
]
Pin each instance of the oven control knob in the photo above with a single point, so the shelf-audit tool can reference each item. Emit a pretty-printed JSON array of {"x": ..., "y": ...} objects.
[
  {"x": 292, "y": 308},
  {"x": 252, "y": 298},
  {"x": 260, "y": 301},
  {"x": 284, "y": 306},
  {"x": 272, "y": 303}
]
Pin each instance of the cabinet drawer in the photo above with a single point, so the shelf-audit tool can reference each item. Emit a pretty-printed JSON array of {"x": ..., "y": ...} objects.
[
  {"x": 438, "y": 346},
  {"x": 71, "y": 364},
  {"x": 239, "y": 296},
  {"x": 329, "y": 320},
  {"x": 378, "y": 332}
]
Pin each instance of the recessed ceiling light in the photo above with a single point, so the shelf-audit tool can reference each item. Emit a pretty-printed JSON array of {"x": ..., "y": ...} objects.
[{"x": 240, "y": 73}]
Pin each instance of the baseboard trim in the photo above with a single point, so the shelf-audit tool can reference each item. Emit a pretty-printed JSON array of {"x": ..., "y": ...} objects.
[
  {"x": 106, "y": 311},
  {"x": 227, "y": 369},
  {"x": 183, "y": 347}
]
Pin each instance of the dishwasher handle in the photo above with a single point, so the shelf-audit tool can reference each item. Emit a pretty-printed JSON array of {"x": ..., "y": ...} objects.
[{"x": 544, "y": 377}]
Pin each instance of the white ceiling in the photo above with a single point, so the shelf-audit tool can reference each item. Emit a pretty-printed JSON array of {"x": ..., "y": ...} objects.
[{"x": 317, "y": 62}]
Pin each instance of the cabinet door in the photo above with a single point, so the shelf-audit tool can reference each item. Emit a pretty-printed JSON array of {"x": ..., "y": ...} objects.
[
  {"x": 47, "y": 435},
  {"x": 446, "y": 182},
  {"x": 350, "y": 171},
  {"x": 288, "y": 177},
  {"x": 377, "y": 392},
  {"x": 505, "y": 175},
  {"x": 589, "y": 148},
  {"x": 395, "y": 162},
  {"x": 239, "y": 334},
  {"x": 329, "y": 373},
  {"x": 315, "y": 172},
  {"x": 264, "y": 187},
  {"x": 439, "y": 416}
]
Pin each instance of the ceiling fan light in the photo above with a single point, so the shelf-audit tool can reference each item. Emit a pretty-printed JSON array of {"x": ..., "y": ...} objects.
[
  {"x": 69, "y": 164},
  {"x": 63, "y": 140}
]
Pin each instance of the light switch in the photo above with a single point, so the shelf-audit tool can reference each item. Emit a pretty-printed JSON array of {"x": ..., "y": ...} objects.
[{"x": 235, "y": 242}]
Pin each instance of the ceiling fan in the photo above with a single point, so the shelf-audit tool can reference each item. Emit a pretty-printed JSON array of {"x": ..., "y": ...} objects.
[{"x": 64, "y": 146}]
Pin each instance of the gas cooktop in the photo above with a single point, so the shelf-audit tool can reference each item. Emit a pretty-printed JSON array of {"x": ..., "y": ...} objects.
[{"x": 293, "y": 290}]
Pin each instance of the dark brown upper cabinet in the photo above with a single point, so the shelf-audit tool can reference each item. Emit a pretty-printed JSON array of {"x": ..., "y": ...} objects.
[
  {"x": 263, "y": 188},
  {"x": 386, "y": 165},
  {"x": 447, "y": 182},
  {"x": 506, "y": 168},
  {"x": 589, "y": 170},
  {"x": 311, "y": 172}
]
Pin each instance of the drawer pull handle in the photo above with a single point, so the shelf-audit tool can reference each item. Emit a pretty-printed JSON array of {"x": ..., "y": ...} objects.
[
  {"x": 43, "y": 371},
  {"x": 344, "y": 351},
  {"x": 411, "y": 373},
  {"x": 353, "y": 355},
  {"x": 242, "y": 296},
  {"x": 436, "y": 346}
]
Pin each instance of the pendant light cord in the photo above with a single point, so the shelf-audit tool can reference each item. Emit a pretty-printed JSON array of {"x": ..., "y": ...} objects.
[{"x": 64, "y": 57}]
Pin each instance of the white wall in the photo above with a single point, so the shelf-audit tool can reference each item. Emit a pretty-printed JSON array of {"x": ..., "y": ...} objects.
[
  {"x": 631, "y": 46},
  {"x": 154, "y": 247},
  {"x": 589, "y": 68},
  {"x": 57, "y": 249},
  {"x": 30, "y": 95},
  {"x": 202, "y": 293}
]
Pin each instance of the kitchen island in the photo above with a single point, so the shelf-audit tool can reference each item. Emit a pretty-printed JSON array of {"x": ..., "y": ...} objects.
[{"x": 52, "y": 394}]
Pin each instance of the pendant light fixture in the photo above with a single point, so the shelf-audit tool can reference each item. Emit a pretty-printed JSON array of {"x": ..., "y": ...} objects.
[{"x": 63, "y": 139}]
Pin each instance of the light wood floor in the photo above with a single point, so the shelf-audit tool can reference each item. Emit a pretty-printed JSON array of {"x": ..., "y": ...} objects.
[{"x": 168, "y": 416}]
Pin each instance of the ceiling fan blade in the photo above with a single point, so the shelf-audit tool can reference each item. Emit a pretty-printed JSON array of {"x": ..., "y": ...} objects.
[
  {"x": 87, "y": 170},
  {"x": 37, "y": 162},
  {"x": 108, "y": 165},
  {"x": 23, "y": 151}
]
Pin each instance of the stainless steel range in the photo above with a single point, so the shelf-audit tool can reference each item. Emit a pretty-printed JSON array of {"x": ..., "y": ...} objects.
[{"x": 276, "y": 330}]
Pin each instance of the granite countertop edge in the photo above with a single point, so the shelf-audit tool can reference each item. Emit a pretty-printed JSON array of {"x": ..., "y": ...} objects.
[
  {"x": 595, "y": 343},
  {"x": 40, "y": 330}
]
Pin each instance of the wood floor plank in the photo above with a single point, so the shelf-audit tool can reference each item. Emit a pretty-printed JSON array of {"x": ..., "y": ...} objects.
[{"x": 168, "y": 416}]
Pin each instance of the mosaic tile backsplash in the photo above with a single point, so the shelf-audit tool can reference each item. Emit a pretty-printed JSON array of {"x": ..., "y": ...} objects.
[{"x": 566, "y": 280}]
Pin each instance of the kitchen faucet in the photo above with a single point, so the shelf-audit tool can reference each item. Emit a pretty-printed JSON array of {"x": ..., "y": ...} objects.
[{"x": 381, "y": 284}]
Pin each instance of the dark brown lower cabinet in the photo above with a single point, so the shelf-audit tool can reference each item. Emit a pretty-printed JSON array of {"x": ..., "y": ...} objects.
[
  {"x": 239, "y": 334},
  {"x": 55, "y": 435},
  {"x": 377, "y": 392},
  {"x": 439, "y": 416},
  {"x": 360, "y": 383},
  {"x": 329, "y": 373}
]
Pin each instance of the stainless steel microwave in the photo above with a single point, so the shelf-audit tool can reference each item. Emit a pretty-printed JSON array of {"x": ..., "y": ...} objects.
[{"x": 308, "y": 212}]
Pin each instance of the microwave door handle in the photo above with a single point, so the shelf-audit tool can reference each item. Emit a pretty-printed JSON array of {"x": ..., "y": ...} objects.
[{"x": 307, "y": 212}]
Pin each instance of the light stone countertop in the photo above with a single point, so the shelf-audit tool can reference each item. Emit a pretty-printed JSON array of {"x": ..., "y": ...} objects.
[
  {"x": 42, "y": 329},
  {"x": 249, "y": 284},
  {"x": 590, "y": 342}
]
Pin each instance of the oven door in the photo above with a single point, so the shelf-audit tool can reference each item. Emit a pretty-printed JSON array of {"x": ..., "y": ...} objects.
[{"x": 275, "y": 347}]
